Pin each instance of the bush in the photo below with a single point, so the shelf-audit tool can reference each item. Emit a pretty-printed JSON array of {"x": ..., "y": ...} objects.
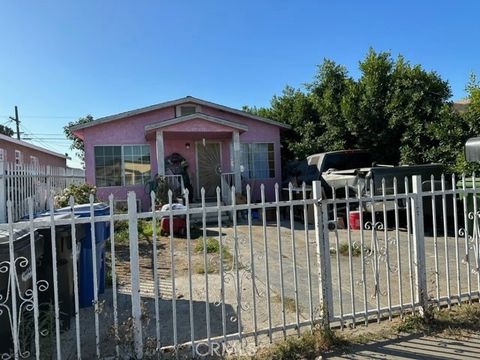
[{"x": 81, "y": 194}]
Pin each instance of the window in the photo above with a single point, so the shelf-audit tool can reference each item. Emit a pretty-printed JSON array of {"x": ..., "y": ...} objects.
[
  {"x": 34, "y": 160},
  {"x": 122, "y": 165},
  {"x": 184, "y": 110},
  {"x": 257, "y": 160},
  {"x": 18, "y": 157},
  {"x": 136, "y": 164},
  {"x": 3, "y": 155}
]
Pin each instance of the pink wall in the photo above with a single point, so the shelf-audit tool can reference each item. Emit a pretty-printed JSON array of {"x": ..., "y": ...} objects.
[
  {"x": 131, "y": 131},
  {"x": 43, "y": 158}
]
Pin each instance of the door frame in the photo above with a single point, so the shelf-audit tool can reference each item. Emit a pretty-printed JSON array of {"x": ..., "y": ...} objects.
[{"x": 197, "y": 179}]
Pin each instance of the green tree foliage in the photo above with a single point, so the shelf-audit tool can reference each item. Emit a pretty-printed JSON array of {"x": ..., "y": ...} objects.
[
  {"x": 397, "y": 110},
  {"x": 77, "y": 143},
  {"x": 296, "y": 109},
  {"x": 471, "y": 121},
  {"x": 330, "y": 86},
  {"x": 5, "y": 130}
]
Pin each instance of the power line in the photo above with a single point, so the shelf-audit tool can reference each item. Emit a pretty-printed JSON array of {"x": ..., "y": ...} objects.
[
  {"x": 46, "y": 116},
  {"x": 36, "y": 134},
  {"x": 44, "y": 144}
]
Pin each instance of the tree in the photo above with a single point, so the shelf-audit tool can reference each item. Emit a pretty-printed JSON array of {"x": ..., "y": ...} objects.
[
  {"x": 397, "y": 110},
  {"x": 77, "y": 143},
  {"x": 471, "y": 122},
  {"x": 296, "y": 109},
  {"x": 5, "y": 130},
  {"x": 327, "y": 92}
]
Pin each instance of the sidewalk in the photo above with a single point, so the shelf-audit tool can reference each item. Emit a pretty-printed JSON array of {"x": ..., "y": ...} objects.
[{"x": 415, "y": 346}]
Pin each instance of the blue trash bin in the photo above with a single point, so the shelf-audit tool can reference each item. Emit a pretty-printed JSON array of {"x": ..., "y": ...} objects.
[{"x": 102, "y": 234}]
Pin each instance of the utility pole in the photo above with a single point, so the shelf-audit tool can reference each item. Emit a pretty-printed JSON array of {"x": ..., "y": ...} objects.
[{"x": 17, "y": 121}]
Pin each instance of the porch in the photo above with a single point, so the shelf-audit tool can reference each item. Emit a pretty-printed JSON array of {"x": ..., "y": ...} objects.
[{"x": 209, "y": 151}]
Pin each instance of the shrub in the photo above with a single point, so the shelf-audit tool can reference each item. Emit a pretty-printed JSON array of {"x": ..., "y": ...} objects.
[{"x": 81, "y": 194}]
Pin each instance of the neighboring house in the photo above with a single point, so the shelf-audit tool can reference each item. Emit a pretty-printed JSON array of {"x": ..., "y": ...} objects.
[
  {"x": 21, "y": 152},
  {"x": 124, "y": 151}
]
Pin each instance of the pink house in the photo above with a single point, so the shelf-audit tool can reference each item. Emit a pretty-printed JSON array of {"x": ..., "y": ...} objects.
[
  {"x": 216, "y": 145},
  {"x": 21, "y": 152}
]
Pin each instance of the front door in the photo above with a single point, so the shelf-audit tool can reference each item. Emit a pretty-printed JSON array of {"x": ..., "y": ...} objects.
[{"x": 209, "y": 168}]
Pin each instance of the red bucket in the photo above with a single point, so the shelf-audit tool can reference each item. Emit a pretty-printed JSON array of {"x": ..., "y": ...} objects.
[{"x": 354, "y": 219}]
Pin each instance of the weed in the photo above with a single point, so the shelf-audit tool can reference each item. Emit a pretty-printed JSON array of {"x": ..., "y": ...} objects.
[
  {"x": 211, "y": 243},
  {"x": 199, "y": 268},
  {"x": 412, "y": 324},
  {"x": 343, "y": 250},
  {"x": 307, "y": 346},
  {"x": 121, "y": 231}
]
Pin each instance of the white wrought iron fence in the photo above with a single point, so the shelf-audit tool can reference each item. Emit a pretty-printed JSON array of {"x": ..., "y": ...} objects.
[
  {"x": 230, "y": 287},
  {"x": 21, "y": 182},
  {"x": 227, "y": 180}
]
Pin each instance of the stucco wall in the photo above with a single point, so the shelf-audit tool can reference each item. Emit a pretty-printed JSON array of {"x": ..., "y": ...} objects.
[{"x": 131, "y": 131}]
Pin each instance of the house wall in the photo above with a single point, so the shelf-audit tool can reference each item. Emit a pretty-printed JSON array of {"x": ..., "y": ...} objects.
[
  {"x": 258, "y": 132},
  {"x": 43, "y": 158},
  {"x": 130, "y": 131}
]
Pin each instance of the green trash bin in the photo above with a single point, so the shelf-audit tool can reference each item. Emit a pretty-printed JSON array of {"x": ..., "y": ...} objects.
[{"x": 469, "y": 199}]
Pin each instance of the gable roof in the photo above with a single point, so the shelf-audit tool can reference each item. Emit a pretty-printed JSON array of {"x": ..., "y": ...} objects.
[
  {"x": 201, "y": 116},
  {"x": 31, "y": 146},
  {"x": 187, "y": 99}
]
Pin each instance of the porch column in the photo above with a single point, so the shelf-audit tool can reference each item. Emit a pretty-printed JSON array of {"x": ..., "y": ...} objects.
[
  {"x": 236, "y": 161},
  {"x": 160, "y": 154}
]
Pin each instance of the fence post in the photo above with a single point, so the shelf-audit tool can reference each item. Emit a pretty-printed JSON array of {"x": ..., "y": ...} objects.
[
  {"x": 135, "y": 275},
  {"x": 3, "y": 191},
  {"x": 421, "y": 295},
  {"x": 323, "y": 255}
]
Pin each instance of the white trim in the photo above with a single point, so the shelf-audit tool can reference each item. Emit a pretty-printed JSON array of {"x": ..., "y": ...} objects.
[
  {"x": 18, "y": 157},
  {"x": 201, "y": 116},
  {"x": 160, "y": 152},
  {"x": 34, "y": 160},
  {"x": 31, "y": 146},
  {"x": 236, "y": 160},
  {"x": 188, "y": 99}
]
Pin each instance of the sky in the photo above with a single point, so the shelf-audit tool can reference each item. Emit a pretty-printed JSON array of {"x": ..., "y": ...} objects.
[{"x": 63, "y": 59}]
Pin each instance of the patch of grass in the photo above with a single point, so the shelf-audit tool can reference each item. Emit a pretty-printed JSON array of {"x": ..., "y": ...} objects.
[
  {"x": 412, "y": 324},
  {"x": 199, "y": 268},
  {"x": 457, "y": 322},
  {"x": 121, "y": 231},
  {"x": 212, "y": 246},
  {"x": 464, "y": 317},
  {"x": 307, "y": 346},
  {"x": 213, "y": 265},
  {"x": 343, "y": 250},
  {"x": 145, "y": 228},
  {"x": 213, "y": 251}
]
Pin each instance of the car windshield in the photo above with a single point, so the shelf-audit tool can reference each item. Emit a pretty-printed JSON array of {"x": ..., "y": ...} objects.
[{"x": 347, "y": 160}]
